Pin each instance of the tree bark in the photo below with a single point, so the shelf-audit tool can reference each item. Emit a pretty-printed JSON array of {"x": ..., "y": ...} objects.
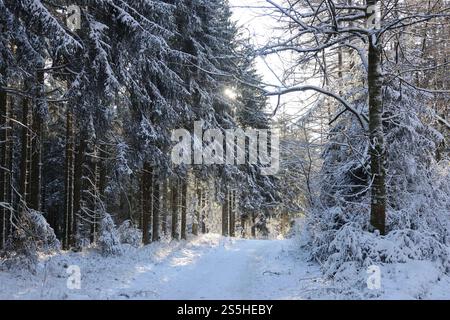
[
  {"x": 164, "y": 206},
  {"x": 156, "y": 209},
  {"x": 78, "y": 187},
  {"x": 232, "y": 213},
  {"x": 183, "y": 208},
  {"x": 146, "y": 201},
  {"x": 196, "y": 218},
  {"x": 203, "y": 205},
  {"x": 174, "y": 195},
  {"x": 69, "y": 171},
  {"x": 94, "y": 186},
  {"x": 253, "y": 226},
  {"x": 36, "y": 147},
  {"x": 225, "y": 214},
  {"x": 4, "y": 162},
  {"x": 24, "y": 157},
  {"x": 378, "y": 188}
]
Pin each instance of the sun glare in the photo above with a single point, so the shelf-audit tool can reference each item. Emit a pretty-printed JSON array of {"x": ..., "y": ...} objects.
[{"x": 230, "y": 93}]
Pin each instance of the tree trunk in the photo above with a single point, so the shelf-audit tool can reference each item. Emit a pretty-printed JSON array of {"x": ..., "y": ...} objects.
[
  {"x": 243, "y": 226},
  {"x": 378, "y": 189},
  {"x": 253, "y": 226},
  {"x": 183, "y": 208},
  {"x": 95, "y": 204},
  {"x": 24, "y": 186},
  {"x": 146, "y": 201},
  {"x": 36, "y": 148},
  {"x": 78, "y": 187},
  {"x": 4, "y": 163},
  {"x": 196, "y": 218},
  {"x": 156, "y": 209},
  {"x": 225, "y": 214},
  {"x": 101, "y": 173},
  {"x": 164, "y": 206},
  {"x": 69, "y": 171},
  {"x": 232, "y": 213},
  {"x": 203, "y": 205},
  {"x": 174, "y": 189}
]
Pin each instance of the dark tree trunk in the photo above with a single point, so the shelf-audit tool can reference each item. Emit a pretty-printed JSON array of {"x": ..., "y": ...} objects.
[
  {"x": 243, "y": 226},
  {"x": 25, "y": 159},
  {"x": 78, "y": 187},
  {"x": 253, "y": 227},
  {"x": 95, "y": 204},
  {"x": 378, "y": 189},
  {"x": 69, "y": 171},
  {"x": 232, "y": 213},
  {"x": 164, "y": 206},
  {"x": 156, "y": 209},
  {"x": 203, "y": 205},
  {"x": 175, "y": 211},
  {"x": 24, "y": 152},
  {"x": 225, "y": 214},
  {"x": 196, "y": 218},
  {"x": 101, "y": 172},
  {"x": 146, "y": 201},
  {"x": 183, "y": 208},
  {"x": 36, "y": 148},
  {"x": 5, "y": 174}
]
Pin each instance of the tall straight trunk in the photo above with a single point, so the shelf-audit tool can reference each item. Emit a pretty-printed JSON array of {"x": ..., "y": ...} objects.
[
  {"x": 4, "y": 163},
  {"x": 196, "y": 218},
  {"x": 69, "y": 172},
  {"x": 78, "y": 187},
  {"x": 378, "y": 188},
  {"x": 146, "y": 201},
  {"x": 101, "y": 172},
  {"x": 243, "y": 226},
  {"x": 156, "y": 209},
  {"x": 225, "y": 214},
  {"x": 203, "y": 204},
  {"x": 164, "y": 207},
  {"x": 253, "y": 226},
  {"x": 36, "y": 148},
  {"x": 95, "y": 203},
  {"x": 175, "y": 206},
  {"x": 183, "y": 208},
  {"x": 25, "y": 155},
  {"x": 232, "y": 213},
  {"x": 10, "y": 147}
]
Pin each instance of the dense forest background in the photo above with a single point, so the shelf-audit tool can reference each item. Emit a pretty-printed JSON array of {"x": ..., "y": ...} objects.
[{"x": 86, "y": 115}]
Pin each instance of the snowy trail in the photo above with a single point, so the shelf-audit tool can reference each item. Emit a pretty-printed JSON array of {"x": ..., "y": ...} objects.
[
  {"x": 233, "y": 269},
  {"x": 211, "y": 267},
  {"x": 206, "y": 267}
]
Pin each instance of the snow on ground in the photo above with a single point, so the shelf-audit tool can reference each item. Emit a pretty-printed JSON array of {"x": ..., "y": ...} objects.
[{"x": 206, "y": 267}]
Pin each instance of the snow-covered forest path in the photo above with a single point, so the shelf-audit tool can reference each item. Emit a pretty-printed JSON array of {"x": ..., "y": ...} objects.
[
  {"x": 207, "y": 267},
  {"x": 211, "y": 267},
  {"x": 233, "y": 269}
]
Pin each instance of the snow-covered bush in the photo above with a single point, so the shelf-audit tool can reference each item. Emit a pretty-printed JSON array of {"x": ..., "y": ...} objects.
[
  {"x": 418, "y": 193},
  {"x": 32, "y": 235},
  {"x": 129, "y": 234},
  {"x": 109, "y": 240}
]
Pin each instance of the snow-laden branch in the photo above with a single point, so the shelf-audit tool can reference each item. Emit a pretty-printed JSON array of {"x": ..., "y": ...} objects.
[{"x": 281, "y": 91}]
